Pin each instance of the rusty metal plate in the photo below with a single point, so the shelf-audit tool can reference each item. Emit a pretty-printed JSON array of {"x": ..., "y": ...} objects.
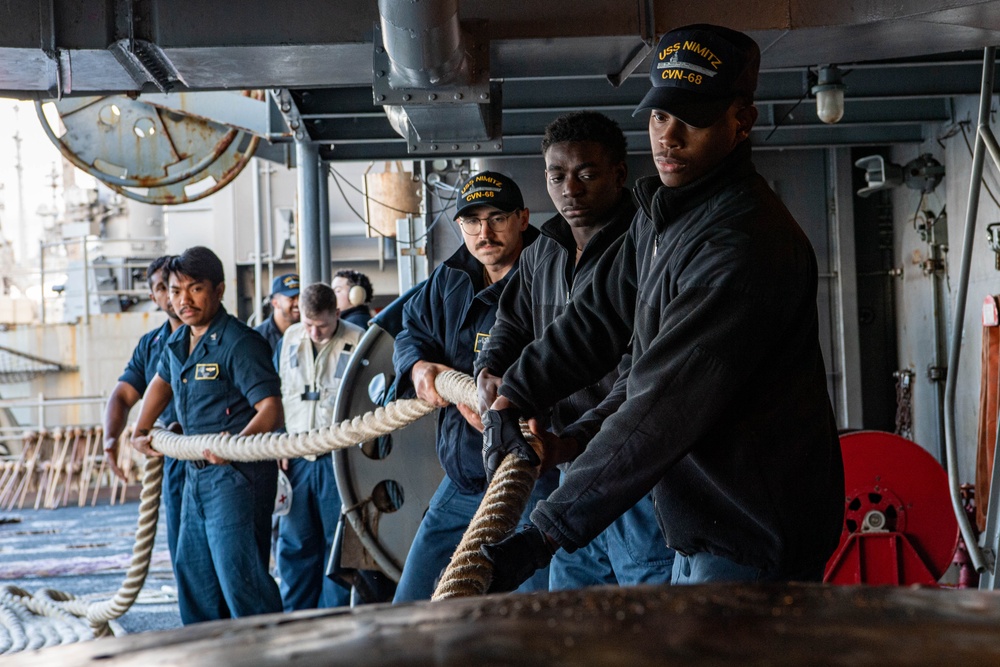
[
  {"x": 208, "y": 181},
  {"x": 129, "y": 143}
]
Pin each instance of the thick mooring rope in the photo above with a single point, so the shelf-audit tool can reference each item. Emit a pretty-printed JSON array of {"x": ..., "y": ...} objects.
[
  {"x": 99, "y": 613},
  {"x": 274, "y": 446},
  {"x": 467, "y": 574}
]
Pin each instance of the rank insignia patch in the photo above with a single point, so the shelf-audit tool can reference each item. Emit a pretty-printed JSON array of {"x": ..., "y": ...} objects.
[{"x": 206, "y": 372}]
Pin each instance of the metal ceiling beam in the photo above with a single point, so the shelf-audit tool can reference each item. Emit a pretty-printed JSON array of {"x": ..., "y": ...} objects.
[
  {"x": 392, "y": 147},
  {"x": 893, "y": 82},
  {"x": 532, "y": 122},
  {"x": 342, "y": 115},
  {"x": 545, "y": 58},
  {"x": 258, "y": 44}
]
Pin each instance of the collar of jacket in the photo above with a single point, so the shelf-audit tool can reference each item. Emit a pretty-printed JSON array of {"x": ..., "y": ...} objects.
[
  {"x": 464, "y": 261},
  {"x": 164, "y": 332},
  {"x": 650, "y": 191},
  {"x": 619, "y": 219},
  {"x": 363, "y": 308},
  {"x": 179, "y": 340}
]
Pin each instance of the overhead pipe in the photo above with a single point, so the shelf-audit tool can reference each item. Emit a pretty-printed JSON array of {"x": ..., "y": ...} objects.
[
  {"x": 423, "y": 40},
  {"x": 431, "y": 76},
  {"x": 307, "y": 162}
]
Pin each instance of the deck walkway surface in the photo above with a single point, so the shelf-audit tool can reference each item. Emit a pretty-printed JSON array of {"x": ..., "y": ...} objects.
[{"x": 85, "y": 551}]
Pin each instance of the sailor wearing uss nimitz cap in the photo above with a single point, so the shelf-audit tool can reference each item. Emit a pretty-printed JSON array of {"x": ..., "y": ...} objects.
[
  {"x": 699, "y": 70},
  {"x": 725, "y": 417}
]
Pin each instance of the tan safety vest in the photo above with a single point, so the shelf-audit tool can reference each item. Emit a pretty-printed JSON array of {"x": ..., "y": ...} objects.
[{"x": 305, "y": 376}]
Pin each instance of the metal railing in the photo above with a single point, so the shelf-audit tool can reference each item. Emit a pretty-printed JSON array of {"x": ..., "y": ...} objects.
[
  {"x": 41, "y": 405},
  {"x": 983, "y": 555}
]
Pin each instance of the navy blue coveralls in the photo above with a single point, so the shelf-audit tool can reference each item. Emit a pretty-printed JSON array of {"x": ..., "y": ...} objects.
[
  {"x": 139, "y": 372},
  {"x": 223, "y": 548}
]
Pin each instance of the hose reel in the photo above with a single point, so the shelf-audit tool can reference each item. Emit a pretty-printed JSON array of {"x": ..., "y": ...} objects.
[
  {"x": 150, "y": 154},
  {"x": 899, "y": 527}
]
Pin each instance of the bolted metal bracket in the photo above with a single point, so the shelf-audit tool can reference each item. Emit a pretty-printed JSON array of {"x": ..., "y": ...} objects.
[
  {"x": 476, "y": 90},
  {"x": 937, "y": 373},
  {"x": 874, "y": 522},
  {"x": 991, "y": 559},
  {"x": 923, "y": 173},
  {"x": 460, "y": 118},
  {"x": 932, "y": 267},
  {"x": 146, "y": 62},
  {"x": 290, "y": 113},
  {"x": 427, "y": 135}
]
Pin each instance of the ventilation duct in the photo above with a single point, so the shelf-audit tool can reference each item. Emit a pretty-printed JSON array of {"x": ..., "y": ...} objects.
[{"x": 431, "y": 74}]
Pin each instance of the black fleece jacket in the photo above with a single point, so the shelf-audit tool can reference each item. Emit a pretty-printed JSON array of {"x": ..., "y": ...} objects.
[
  {"x": 726, "y": 417},
  {"x": 547, "y": 279}
]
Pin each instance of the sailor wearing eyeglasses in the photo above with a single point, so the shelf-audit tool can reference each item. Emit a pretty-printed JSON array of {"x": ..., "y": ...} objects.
[{"x": 445, "y": 325}]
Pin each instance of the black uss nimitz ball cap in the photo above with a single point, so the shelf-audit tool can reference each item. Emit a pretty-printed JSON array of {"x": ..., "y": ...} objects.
[
  {"x": 698, "y": 71},
  {"x": 489, "y": 188}
]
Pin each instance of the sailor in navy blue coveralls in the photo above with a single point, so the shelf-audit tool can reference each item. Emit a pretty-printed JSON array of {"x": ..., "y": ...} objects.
[
  {"x": 226, "y": 518},
  {"x": 219, "y": 375},
  {"x": 138, "y": 373}
]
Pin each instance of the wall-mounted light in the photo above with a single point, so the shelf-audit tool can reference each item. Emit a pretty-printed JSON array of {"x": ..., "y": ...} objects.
[
  {"x": 829, "y": 92},
  {"x": 922, "y": 173}
]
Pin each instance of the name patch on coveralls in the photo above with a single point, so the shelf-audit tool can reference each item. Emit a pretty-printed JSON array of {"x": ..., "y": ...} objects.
[{"x": 206, "y": 372}]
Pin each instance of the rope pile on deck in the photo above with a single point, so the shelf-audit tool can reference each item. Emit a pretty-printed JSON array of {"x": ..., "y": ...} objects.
[{"x": 467, "y": 574}]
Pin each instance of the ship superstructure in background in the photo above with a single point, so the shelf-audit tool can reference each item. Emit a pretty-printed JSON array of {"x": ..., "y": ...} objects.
[
  {"x": 61, "y": 332},
  {"x": 96, "y": 256},
  {"x": 91, "y": 257}
]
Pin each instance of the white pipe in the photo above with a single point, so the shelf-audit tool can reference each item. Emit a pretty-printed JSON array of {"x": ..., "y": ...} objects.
[
  {"x": 269, "y": 220},
  {"x": 258, "y": 268}
]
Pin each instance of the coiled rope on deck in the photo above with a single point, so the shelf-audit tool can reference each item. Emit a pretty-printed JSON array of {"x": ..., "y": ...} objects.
[
  {"x": 20, "y": 628},
  {"x": 467, "y": 574}
]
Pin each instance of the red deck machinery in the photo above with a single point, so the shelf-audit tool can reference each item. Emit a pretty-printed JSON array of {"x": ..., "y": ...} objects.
[{"x": 899, "y": 527}]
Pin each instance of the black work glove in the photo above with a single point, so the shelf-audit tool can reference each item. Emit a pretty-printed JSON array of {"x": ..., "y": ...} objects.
[
  {"x": 516, "y": 557},
  {"x": 502, "y": 436}
]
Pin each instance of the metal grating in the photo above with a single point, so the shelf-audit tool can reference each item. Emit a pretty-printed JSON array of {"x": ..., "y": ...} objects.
[{"x": 18, "y": 366}]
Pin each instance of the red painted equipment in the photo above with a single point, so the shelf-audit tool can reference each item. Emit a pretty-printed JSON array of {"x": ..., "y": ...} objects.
[{"x": 899, "y": 527}]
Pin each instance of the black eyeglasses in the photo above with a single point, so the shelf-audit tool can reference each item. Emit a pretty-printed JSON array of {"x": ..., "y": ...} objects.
[{"x": 496, "y": 221}]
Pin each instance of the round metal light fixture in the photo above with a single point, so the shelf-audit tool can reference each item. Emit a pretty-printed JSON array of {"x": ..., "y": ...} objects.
[{"x": 829, "y": 92}]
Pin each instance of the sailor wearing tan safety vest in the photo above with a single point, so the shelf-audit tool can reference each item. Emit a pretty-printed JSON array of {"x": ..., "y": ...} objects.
[{"x": 311, "y": 359}]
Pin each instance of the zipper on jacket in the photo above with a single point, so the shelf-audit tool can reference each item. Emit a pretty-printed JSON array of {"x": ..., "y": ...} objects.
[{"x": 656, "y": 244}]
